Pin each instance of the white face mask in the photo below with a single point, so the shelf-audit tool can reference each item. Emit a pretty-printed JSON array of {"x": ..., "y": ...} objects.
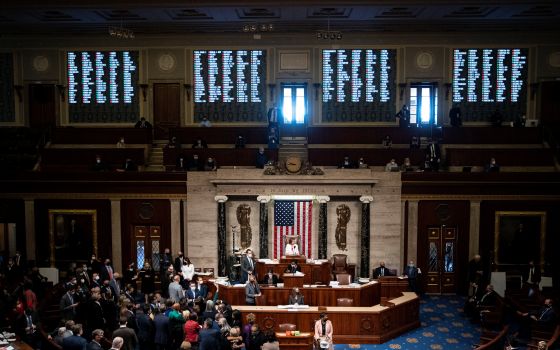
[{"x": 193, "y": 288}]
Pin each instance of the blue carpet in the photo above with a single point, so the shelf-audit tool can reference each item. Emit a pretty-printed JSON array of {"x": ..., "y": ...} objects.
[{"x": 442, "y": 327}]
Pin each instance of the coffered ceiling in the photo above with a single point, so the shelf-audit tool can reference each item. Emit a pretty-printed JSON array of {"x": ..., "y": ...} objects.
[{"x": 36, "y": 17}]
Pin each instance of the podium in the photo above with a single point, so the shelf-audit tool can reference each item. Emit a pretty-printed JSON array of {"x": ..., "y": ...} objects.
[
  {"x": 301, "y": 259},
  {"x": 293, "y": 280}
]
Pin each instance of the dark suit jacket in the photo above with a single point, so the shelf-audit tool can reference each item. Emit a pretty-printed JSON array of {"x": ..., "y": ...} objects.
[
  {"x": 145, "y": 328},
  {"x": 74, "y": 342},
  {"x": 192, "y": 295},
  {"x": 377, "y": 272},
  {"x": 411, "y": 272},
  {"x": 535, "y": 278},
  {"x": 246, "y": 268},
  {"x": 104, "y": 273},
  {"x": 297, "y": 299},
  {"x": 94, "y": 346},
  {"x": 209, "y": 339},
  {"x": 67, "y": 312},
  {"x": 161, "y": 325},
  {"x": 129, "y": 337},
  {"x": 268, "y": 280},
  {"x": 293, "y": 269}
]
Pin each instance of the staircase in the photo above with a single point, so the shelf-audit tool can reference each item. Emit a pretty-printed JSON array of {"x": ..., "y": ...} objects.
[
  {"x": 155, "y": 158},
  {"x": 293, "y": 147}
]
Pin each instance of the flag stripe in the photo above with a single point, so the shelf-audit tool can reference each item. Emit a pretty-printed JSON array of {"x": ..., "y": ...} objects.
[{"x": 292, "y": 218}]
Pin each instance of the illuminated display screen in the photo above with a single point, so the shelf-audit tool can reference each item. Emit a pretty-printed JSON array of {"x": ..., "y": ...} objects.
[
  {"x": 103, "y": 86},
  {"x": 486, "y": 80},
  {"x": 359, "y": 85},
  {"x": 230, "y": 85}
]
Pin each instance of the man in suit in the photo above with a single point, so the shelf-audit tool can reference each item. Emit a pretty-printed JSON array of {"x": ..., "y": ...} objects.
[
  {"x": 75, "y": 341},
  {"x": 68, "y": 303},
  {"x": 161, "y": 329},
  {"x": 270, "y": 278},
  {"x": 381, "y": 271},
  {"x": 95, "y": 343},
  {"x": 201, "y": 287},
  {"x": 117, "y": 343},
  {"x": 178, "y": 263},
  {"x": 145, "y": 328},
  {"x": 175, "y": 290},
  {"x": 26, "y": 328},
  {"x": 532, "y": 277},
  {"x": 130, "y": 341},
  {"x": 143, "y": 124},
  {"x": 193, "y": 292},
  {"x": 209, "y": 337},
  {"x": 95, "y": 317},
  {"x": 433, "y": 153},
  {"x": 106, "y": 271},
  {"x": 248, "y": 265},
  {"x": 293, "y": 267},
  {"x": 411, "y": 272}
]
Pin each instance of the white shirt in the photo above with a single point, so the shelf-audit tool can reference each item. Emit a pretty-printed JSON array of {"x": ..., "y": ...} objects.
[
  {"x": 188, "y": 271},
  {"x": 291, "y": 249}
]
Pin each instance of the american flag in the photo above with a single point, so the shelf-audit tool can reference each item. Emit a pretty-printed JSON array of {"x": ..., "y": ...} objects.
[{"x": 292, "y": 218}]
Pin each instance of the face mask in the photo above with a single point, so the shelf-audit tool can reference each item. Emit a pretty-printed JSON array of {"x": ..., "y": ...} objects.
[
  {"x": 98, "y": 161},
  {"x": 96, "y": 278},
  {"x": 193, "y": 288}
]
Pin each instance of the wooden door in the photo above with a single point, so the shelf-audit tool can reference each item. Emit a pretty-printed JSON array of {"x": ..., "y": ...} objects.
[
  {"x": 441, "y": 260},
  {"x": 167, "y": 108},
  {"x": 42, "y": 105},
  {"x": 294, "y": 111},
  {"x": 147, "y": 246}
]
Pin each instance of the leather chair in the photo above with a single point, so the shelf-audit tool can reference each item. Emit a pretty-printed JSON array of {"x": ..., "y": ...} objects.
[
  {"x": 208, "y": 270},
  {"x": 344, "y": 302},
  {"x": 287, "y": 327},
  {"x": 339, "y": 264},
  {"x": 344, "y": 279}
]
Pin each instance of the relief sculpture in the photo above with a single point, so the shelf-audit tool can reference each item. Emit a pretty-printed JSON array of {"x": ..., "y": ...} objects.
[
  {"x": 343, "y": 216},
  {"x": 244, "y": 220}
]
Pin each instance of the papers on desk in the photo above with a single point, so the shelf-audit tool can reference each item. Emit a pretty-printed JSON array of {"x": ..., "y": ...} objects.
[
  {"x": 298, "y": 273},
  {"x": 405, "y": 277},
  {"x": 240, "y": 285},
  {"x": 268, "y": 261},
  {"x": 351, "y": 285},
  {"x": 293, "y": 307},
  {"x": 320, "y": 261}
]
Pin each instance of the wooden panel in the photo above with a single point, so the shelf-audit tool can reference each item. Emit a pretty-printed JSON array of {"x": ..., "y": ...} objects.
[
  {"x": 42, "y": 105},
  {"x": 323, "y": 271},
  {"x": 504, "y": 157},
  {"x": 71, "y": 135},
  {"x": 222, "y": 156},
  {"x": 84, "y": 158},
  {"x": 372, "y": 156},
  {"x": 167, "y": 108},
  {"x": 220, "y": 135}
]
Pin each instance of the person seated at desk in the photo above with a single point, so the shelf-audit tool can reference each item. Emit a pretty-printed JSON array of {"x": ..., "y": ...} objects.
[
  {"x": 240, "y": 142},
  {"x": 199, "y": 144},
  {"x": 293, "y": 267},
  {"x": 323, "y": 333},
  {"x": 492, "y": 167},
  {"x": 128, "y": 165},
  {"x": 270, "y": 278},
  {"x": 381, "y": 271},
  {"x": 174, "y": 143},
  {"x": 205, "y": 122},
  {"x": 261, "y": 159},
  {"x": 392, "y": 166},
  {"x": 100, "y": 165},
  {"x": 194, "y": 164},
  {"x": 143, "y": 124},
  {"x": 292, "y": 248},
  {"x": 295, "y": 297}
]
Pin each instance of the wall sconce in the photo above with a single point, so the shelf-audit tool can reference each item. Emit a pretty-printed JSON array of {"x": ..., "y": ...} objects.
[
  {"x": 188, "y": 88},
  {"x": 62, "y": 92},
  {"x": 144, "y": 88},
  {"x": 534, "y": 89},
  {"x": 317, "y": 86},
  {"x": 271, "y": 87},
  {"x": 447, "y": 90},
  {"x": 402, "y": 87},
  {"x": 18, "y": 89}
]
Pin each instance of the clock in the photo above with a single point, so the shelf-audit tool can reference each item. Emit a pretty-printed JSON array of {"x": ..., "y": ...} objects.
[{"x": 293, "y": 164}]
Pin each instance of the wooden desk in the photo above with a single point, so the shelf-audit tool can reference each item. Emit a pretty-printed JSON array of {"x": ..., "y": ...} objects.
[
  {"x": 392, "y": 287},
  {"x": 292, "y": 280},
  {"x": 313, "y": 272},
  {"x": 352, "y": 325},
  {"x": 302, "y": 341},
  {"x": 365, "y": 295}
]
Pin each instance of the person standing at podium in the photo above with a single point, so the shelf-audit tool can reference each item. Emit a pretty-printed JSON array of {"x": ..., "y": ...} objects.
[
  {"x": 292, "y": 248},
  {"x": 247, "y": 265},
  {"x": 252, "y": 291}
]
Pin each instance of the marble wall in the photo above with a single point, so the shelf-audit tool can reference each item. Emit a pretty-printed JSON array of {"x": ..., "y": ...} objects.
[{"x": 242, "y": 186}]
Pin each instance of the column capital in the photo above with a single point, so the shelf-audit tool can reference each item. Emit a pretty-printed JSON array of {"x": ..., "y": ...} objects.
[
  {"x": 323, "y": 199},
  {"x": 221, "y": 199},
  {"x": 264, "y": 199},
  {"x": 366, "y": 199}
]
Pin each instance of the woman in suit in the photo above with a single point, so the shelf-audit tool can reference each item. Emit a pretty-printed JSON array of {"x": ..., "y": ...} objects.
[
  {"x": 323, "y": 333},
  {"x": 252, "y": 291},
  {"x": 295, "y": 297}
]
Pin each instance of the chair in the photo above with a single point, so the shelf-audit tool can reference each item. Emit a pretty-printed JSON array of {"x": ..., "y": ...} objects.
[
  {"x": 209, "y": 270},
  {"x": 344, "y": 279},
  {"x": 339, "y": 264},
  {"x": 287, "y": 327},
  {"x": 344, "y": 302},
  {"x": 197, "y": 269}
]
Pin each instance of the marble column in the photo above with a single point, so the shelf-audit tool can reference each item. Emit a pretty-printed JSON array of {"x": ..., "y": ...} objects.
[
  {"x": 412, "y": 231},
  {"x": 263, "y": 226},
  {"x": 323, "y": 233},
  {"x": 175, "y": 226},
  {"x": 222, "y": 257},
  {"x": 365, "y": 236},
  {"x": 474, "y": 229},
  {"x": 29, "y": 229},
  {"x": 116, "y": 234}
]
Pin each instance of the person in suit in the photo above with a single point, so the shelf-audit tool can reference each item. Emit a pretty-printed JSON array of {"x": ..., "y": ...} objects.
[
  {"x": 192, "y": 292},
  {"x": 248, "y": 265},
  {"x": 433, "y": 154},
  {"x": 257, "y": 338},
  {"x": 75, "y": 341},
  {"x": 475, "y": 274},
  {"x": 270, "y": 278},
  {"x": 26, "y": 327},
  {"x": 381, "y": 271},
  {"x": 95, "y": 343},
  {"x": 455, "y": 116},
  {"x": 202, "y": 287},
  {"x": 531, "y": 277},
  {"x": 129, "y": 336},
  {"x": 411, "y": 272},
  {"x": 143, "y": 124},
  {"x": 95, "y": 317},
  {"x": 100, "y": 164},
  {"x": 145, "y": 328},
  {"x": 68, "y": 304},
  {"x": 209, "y": 337},
  {"x": 295, "y": 297},
  {"x": 261, "y": 159},
  {"x": 492, "y": 167},
  {"x": 117, "y": 343},
  {"x": 161, "y": 327},
  {"x": 106, "y": 271},
  {"x": 252, "y": 291},
  {"x": 293, "y": 267},
  {"x": 323, "y": 332},
  {"x": 178, "y": 263},
  {"x": 175, "y": 290}
]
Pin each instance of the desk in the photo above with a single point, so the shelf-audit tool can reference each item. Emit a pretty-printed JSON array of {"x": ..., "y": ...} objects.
[
  {"x": 313, "y": 272},
  {"x": 352, "y": 325},
  {"x": 302, "y": 341},
  {"x": 292, "y": 280}
]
